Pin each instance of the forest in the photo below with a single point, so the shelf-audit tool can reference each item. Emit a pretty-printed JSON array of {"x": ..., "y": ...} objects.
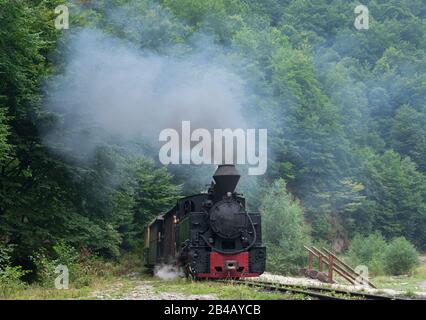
[{"x": 345, "y": 111}]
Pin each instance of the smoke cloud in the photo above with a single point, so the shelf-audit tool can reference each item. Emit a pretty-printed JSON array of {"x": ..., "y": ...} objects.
[
  {"x": 167, "y": 272},
  {"x": 109, "y": 88}
]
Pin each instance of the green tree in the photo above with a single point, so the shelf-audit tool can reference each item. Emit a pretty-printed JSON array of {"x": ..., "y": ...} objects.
[
  {"x": 154, "y": 193},
  {"x": 396, "y": 193},
  {"x": 4, "y": 133},
  {"x": 409, "y": 135},
  {"x": 336, "y": 102},
  {"x": 284, "y": 229}
]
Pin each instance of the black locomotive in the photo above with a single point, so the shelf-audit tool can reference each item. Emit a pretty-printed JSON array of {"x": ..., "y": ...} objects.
[{"x": 209, "y": 235}]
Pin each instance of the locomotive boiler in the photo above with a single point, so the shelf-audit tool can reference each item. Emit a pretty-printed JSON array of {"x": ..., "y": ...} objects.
[{"x": 209, "y": 235}]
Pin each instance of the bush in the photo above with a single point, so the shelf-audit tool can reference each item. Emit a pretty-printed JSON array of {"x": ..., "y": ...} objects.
[
  {"x": 394, "y": 258},
  {"x": 10, "y": 280},
  {"x": 5, "y": 255},
  {"x": 284, "y": 231},
  {"x": 10, "y": 276},
  {"x": 368, "y": 251},
  {"x": 79, "y": 264},
  {"x": 400, "y": 257},
  {"x": 45, "y": 268}
]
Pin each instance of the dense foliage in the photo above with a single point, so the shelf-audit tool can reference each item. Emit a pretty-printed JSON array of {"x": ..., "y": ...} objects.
[
  {"x": 368, "y": 251},
  {"x": 44, "y": 197},
  {"x": 345, "y": 110},
  {"x": 395, "y": 257},
  {"x": 400, "y": 257},
  {"x": 284, "y": 232}
]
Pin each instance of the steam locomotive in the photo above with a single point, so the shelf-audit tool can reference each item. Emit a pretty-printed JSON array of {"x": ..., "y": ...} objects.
[{"x": 209, "y": 235}]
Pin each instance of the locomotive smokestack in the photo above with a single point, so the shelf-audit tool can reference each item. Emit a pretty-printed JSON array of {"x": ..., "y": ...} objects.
[{"x": 226, "y": 178}]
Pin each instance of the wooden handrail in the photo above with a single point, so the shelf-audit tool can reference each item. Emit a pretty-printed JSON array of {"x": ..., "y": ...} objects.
[
  {"x": 335, "y": 267},
  {"x": 310, "y": 251},
  {"x": 349, "y": 267},
  {"x": 334, "y": 263}
]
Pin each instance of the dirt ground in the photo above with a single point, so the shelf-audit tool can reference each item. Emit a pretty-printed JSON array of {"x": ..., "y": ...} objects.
[{"x": 138, "y": 289}]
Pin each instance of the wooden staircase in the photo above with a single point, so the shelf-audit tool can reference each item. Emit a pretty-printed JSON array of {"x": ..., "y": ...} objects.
[{"x": 333, "y": 264}]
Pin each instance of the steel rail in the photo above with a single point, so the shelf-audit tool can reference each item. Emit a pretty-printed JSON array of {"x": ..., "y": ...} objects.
[
  {"x": 314, "y": 291},
  {"x": 283, "y": 289}
]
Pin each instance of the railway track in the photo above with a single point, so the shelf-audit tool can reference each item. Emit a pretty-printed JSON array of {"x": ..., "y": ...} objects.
[{"x": 320, "y": 293}]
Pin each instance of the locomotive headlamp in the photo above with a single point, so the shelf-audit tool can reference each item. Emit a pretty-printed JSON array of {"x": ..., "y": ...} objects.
[
  {"x": 231, "y": 265},
  {"x": 244, "y": 240}
]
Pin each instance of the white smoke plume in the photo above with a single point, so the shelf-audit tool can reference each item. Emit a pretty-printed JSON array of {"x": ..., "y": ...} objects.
[
  {"x": 111, "y": 89},
  {"x": 167, "y": 272}
]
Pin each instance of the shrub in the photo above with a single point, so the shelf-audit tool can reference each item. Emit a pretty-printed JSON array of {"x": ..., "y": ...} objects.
[
  {"x": 368, "y": 251},
  {"x": 400, "y": 257},
  {"x": 284, "y": 231},
  {"x": 10, "y": 280},
  {"x": 396, "y": 258},
  {"x": 79, "y": 265},
  {"x": 10, "y": 276},
  {"x": 66, "y": 254},
  {"x": 45, "y": 268}
]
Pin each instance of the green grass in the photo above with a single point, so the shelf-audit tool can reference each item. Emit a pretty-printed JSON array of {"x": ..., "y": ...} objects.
[
  {"x": 106, "y": 275},
  {"x": 34, "y": 292},
  {"x": 115, "y": 288},
  {"x": 113, "y": 283},
  {"x": 111, "y": 287},
  {"x": 220, "y": 290},
  {"x": 406, "y": 283}
]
